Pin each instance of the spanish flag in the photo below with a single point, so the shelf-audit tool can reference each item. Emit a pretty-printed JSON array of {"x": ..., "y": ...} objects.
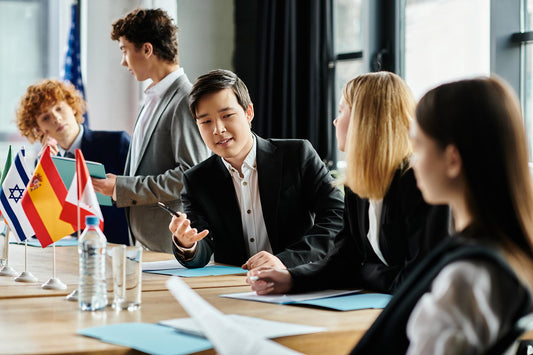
[{"x": 43, "y": 202}]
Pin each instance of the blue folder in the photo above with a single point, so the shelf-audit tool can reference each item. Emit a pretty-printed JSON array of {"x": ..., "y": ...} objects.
[{"x": 67, "y": 167}]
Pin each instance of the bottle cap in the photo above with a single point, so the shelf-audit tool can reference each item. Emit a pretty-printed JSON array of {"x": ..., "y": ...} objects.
[{"x": 92, "y": 220}]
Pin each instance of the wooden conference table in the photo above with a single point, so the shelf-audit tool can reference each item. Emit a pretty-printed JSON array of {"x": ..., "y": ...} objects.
[{"x": 37, "y": 321}]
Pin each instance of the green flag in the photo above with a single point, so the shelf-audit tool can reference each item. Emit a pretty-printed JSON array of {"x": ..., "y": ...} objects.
[{"x": 7, "y": 165}]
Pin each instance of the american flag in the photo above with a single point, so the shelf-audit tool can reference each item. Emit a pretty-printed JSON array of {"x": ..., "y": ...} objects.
[{"x": 72, "y": 71}]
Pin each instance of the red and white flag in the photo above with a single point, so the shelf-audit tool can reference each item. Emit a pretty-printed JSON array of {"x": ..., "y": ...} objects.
[{"x": 81, "y": 193}]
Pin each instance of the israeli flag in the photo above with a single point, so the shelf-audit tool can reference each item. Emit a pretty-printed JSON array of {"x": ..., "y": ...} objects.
[{"x": 13, "y": 187}]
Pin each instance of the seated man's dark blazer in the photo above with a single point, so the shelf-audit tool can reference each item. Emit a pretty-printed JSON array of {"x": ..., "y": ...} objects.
[
  {"x": 109, "y": 148},
  {"x": 301, "y": 208}
]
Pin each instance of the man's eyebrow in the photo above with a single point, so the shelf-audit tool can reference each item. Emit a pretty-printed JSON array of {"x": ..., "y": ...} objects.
[
  {"x": 225, "y": 109},
  {"x": 228, "y": 108}
]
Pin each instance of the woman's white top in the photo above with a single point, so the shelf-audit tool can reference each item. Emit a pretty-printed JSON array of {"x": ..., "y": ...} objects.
[
  {"x": 469, "y": 305},
  {"x": 374, "y": 216}
]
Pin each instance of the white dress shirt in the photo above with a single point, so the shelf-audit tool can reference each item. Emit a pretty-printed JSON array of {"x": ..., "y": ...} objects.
[
  {"x": 151, "y": 100},
  {"x": 75, "y": 145},
  {"x": 247, "y": 191},
  {"x": 464, "y": 313},
  {"x": 374, "y": 217}
]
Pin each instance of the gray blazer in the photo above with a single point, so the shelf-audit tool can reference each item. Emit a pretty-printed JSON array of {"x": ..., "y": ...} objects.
[{"x": 172, "y": 145}]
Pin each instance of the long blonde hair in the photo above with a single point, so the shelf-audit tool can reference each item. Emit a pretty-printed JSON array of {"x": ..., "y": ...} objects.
[{"x": 377, "y": 142}]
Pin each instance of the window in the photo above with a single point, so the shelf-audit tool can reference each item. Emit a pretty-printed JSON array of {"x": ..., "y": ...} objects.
[
  {"x": 445, "y": 40},
  {"x": 348, "y": 47},
  {"x": 26, "y": 48},
  {"x": 526, "y": 74}
]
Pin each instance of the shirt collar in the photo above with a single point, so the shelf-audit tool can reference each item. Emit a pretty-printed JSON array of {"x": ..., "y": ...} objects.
[
  {"x": 75, "y": 145},
  {"x": 161, "y": 87},
  {"x": 249, "y": 161}
]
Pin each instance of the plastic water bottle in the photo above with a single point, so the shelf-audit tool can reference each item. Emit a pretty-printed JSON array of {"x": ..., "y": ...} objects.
[{"x": 92, "y": 294}]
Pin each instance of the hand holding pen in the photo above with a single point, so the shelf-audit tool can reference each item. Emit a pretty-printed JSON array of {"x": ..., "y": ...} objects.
[{"x": 181, "y": 229}]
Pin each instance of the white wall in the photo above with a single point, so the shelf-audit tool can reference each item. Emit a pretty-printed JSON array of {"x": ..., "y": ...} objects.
[
  {"x": 114, "y": 96},
  {"x": 206, "y": 37}
]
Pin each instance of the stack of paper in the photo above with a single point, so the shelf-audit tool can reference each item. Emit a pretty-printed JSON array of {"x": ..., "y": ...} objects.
[
  {"x": 340, "y": 300},
  {"x": 264, "y": 328},
  {"x": 227, "y": 336}
]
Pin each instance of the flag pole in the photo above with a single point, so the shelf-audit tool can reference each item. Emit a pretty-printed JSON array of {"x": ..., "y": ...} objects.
[
  {"x": 26, "y": 276},
  {"x": 54, "y": 283},
  {"x": 73, "y": 296},
  {"x": 7, "y": 270}
]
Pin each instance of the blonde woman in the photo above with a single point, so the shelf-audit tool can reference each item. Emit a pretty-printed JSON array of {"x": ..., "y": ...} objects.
[{"x": 388, "y": 227}]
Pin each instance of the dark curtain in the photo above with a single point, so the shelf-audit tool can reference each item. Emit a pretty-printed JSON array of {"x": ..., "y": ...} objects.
[{"x": 292, "y": 82}]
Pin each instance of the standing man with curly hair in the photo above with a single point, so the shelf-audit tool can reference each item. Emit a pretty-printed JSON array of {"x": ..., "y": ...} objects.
[{"x": 165, "y": 141}]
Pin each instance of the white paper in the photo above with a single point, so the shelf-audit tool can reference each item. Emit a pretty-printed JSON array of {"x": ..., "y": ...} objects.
[
  {"x": 264, "y": 328},
  {"x": 227, "y": 336},
  {"x": 290, "y": 298},
  {"x": 162, "y": 265}
]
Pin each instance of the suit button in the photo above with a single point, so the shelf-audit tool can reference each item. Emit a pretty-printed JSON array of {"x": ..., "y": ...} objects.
[
  {"x": 244, "y": 183},
  {"x": 252, "y": 240},
  {"x": 133, "y": 202},
  {"x": 249, "y": 211}
]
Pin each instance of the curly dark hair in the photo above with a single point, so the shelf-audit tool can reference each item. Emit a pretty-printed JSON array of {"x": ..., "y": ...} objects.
[{"x": 149, "y": 25}]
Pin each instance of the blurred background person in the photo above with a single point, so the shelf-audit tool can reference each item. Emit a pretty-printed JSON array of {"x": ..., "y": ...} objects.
[{"x": 51, "y": 112}]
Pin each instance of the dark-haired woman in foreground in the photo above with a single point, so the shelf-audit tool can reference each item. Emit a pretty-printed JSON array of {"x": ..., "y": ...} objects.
[{"x": 466, "y": 297}]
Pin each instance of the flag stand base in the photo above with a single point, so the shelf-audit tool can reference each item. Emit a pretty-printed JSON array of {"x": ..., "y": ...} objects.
[
  {"x": 26, "y": 276},
  {"x": 8, "y": 271},
  {"x": 73, "y": 296},
  {"x": 54, "y": 284}
]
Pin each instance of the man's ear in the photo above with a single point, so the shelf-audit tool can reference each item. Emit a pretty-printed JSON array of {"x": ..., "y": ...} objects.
[
  {"x": 454, "y": 162},
  {"x": 147, "y": 49},
  {"x": 250, "y": 113}
]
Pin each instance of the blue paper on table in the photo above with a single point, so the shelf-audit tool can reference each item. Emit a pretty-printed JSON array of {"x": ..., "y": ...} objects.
[
  {"x": 65, "y": 242},
  {"x": 210, "y": 270},
  {"x": 351, "y": 302},
  {"x": 149, "y": 338},
  {"x": 67, "y": 167}
]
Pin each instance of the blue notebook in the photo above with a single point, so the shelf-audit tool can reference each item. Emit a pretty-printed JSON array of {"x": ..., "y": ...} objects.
[
  {"x": 149, "y": 338},
  {"x": 209, "y": 270},
  {"x": 67, "y": 167}
]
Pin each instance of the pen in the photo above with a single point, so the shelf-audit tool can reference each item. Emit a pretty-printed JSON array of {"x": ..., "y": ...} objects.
[{"x": 168, "y": 209}]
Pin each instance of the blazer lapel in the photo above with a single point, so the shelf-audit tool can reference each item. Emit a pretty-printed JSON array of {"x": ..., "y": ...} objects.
[
  {"x": 127, "y": 166},
  {"x": 172, "y": 94},
  {"x": 227, "y": 207},
  {"x": 269, "y": 174},
  {"x": 386, "y": 240}
]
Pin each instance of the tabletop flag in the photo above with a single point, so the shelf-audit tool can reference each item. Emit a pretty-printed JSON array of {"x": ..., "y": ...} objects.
[
  {"x": 14, "y": 181},
  {"x": 43, "y": 201},
  {"x": 85, "y": 196}
]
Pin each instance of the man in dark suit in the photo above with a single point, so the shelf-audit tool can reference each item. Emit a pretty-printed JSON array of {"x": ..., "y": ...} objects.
[
  {"x": 256, "y": 202},
  {"x": 52, "y": 112},
  {"x": 111, "y": 149}
]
